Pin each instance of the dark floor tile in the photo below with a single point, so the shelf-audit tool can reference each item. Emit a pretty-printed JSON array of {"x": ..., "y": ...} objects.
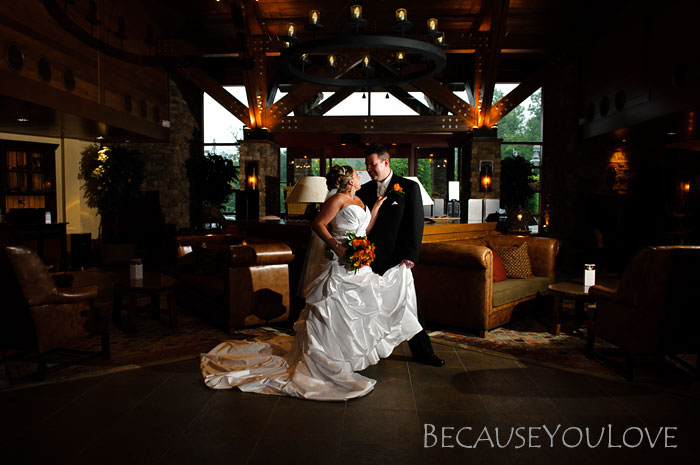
[
  {"x": 105, "y": 403},
  {"x": 475, "y": 361},
  {"x": 387, "y": 394},
  {"x": 379, "y": 453},
  {"x": 305, "y": 424},
  {"x": 232, "y": 413},
  {"x": 452, "y": 390},
  {"x": 155, "y": 412},
  {"x": 444, "y": 376},
  {"x": 43, "y": 447},
  {"x": 382, "y": 426},
  {"x": 129, "y": 447},
  {"x": 188, "y": 450},
  {"x": 294, "y": 452},
  {"x": 300, "y": 403},
  {"x": 388, "y": 370}
]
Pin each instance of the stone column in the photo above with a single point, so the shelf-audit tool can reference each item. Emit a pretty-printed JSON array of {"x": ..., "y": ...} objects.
[
  {"x": 267, "y": 155},
  {"x": 487, "y": 149},
  {"x": 480, "y": 145}
]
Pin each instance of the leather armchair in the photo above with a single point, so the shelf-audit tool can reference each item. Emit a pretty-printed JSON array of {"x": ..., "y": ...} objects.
[
  {"x": 654, "y": 310},
  {"x": 45, "y": 317},
  {"x": 234, "y": 285}
]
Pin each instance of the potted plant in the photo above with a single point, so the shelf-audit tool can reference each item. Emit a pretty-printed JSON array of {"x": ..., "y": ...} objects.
[
  {"x": 112, "y": 178},
  {"x": 517, "y": 176},
  {"x": 211, "y": 179}
]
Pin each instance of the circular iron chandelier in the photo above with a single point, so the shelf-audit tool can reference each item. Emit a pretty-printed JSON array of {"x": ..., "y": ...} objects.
[{"x": 425, "y": 59}]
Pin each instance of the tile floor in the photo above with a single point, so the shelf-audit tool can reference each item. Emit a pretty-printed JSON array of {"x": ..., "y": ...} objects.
[{"x": 165, "y": 415}]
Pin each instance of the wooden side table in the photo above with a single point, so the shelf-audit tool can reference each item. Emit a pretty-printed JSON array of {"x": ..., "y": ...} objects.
[
  {"x": 154, "y": 285},
  {"x": 568, "y": 290}
]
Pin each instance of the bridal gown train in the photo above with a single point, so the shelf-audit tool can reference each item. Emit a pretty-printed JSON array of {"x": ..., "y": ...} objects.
[{"x": 350, "y": 321}]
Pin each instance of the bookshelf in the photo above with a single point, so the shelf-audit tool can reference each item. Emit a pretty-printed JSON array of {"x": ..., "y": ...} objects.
[{"x": 28, "y": 177}]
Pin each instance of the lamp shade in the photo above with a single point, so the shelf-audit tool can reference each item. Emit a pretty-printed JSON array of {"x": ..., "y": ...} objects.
[
  {"x": 452, "y": 190},
  {"x": 423, "y": 193},
  {"x": 309, "y": 189}
]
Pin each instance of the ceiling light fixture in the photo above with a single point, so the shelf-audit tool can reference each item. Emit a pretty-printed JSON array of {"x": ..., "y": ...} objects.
[{"x": 369, "y": 59}]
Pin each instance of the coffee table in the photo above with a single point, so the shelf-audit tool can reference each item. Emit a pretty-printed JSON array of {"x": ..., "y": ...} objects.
[
  {"x": 154, "y": 285},
  {"x": 573, "y": 291}
]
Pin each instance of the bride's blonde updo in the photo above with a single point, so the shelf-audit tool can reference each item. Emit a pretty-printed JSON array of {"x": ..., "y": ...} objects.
[{"x": 338, "y": 177}]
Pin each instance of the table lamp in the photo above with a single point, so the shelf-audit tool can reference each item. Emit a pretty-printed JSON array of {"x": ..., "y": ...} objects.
[{"x": 311, "y": 190}]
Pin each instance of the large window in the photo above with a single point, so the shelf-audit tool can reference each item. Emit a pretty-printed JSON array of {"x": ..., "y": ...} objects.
[
  {"x": 222, "y": 133},
  {"x": 521, "y": 131}
]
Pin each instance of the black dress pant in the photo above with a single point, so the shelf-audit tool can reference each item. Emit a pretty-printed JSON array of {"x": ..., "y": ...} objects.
[{"x": 420, "y": 344}]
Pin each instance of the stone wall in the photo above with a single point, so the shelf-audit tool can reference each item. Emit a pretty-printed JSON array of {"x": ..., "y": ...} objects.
[
  {"x": 165, "y": 162},
  {"x": 485, "y": 149},
  {"x": 267, "y": 155}
]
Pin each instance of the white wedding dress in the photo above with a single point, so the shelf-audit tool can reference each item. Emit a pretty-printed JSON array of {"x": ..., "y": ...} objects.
[{"x": 350, "y": 321}]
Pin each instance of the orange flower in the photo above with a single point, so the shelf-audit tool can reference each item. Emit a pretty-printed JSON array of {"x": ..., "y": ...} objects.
[{"x": 398, "y": 189}]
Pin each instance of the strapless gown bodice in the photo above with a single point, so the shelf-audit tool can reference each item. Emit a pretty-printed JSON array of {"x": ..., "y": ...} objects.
[{"x": 350, "y": 219}]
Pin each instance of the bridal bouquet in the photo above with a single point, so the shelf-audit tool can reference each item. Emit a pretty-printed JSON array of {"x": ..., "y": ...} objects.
[{"x": 360, "y": 252}]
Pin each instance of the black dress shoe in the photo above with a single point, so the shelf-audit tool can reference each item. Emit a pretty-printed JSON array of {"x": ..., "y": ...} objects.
[{"x": 432, "y": 360}]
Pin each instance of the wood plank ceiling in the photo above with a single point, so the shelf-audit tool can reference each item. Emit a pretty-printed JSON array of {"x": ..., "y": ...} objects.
[
  {"x": 213, "y": 44},
  {"x": 489, "y": 41}
]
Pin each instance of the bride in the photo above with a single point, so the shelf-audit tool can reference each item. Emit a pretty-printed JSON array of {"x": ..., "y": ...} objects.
[{"x": 351, "y": 318}]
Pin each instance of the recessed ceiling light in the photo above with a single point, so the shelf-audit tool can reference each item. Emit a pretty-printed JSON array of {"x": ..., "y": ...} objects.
[{"x": 22, "y": 120}]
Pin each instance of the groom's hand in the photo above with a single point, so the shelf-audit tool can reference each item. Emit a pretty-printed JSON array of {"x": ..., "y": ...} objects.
[{"x": 408, "y": 263}]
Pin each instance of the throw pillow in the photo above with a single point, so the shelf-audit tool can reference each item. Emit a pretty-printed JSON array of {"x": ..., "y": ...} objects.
[
  {"x": 516, "y": 260},
  {"x": 499, "y": 270}
]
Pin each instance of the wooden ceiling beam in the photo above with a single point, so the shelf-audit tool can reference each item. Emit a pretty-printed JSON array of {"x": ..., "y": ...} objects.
[
  {"x": 409, "y": 100},
  {"x": 300, "y": 94},
  {"x": 370, "y": 124},
  {"x": 216, "y": 91},
  {"x": 499, "y": 13},
  {"x": 443, "y": 95},
  {"x": 337, "y": 97},
  {"x": 526, "y": 88}
]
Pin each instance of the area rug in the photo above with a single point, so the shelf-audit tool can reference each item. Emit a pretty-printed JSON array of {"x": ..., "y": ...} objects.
[
  {"x": 529, "y": 340},
  {"x": 151, "y": 343}
]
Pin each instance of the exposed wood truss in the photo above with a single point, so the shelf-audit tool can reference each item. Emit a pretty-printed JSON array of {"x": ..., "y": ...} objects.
[
  {"x": 487, "y": 57},
  {"x": 216, "y": 91},
  {"x": 371, "y": 124},
  {"x": 526, "y": 88}
]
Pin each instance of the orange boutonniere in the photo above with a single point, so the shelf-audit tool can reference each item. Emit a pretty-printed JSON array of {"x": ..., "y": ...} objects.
[{"x": 397, "y": 189}]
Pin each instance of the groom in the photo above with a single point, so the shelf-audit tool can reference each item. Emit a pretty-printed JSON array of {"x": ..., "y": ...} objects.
[{"x": 398, "y": 231}]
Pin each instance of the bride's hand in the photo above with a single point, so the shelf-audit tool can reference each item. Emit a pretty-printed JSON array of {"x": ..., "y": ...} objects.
[
  {"x": 379, "y": 202},
  {"x": 340, "y": 250}
]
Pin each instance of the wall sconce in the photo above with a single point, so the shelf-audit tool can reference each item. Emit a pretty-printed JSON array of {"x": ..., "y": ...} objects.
[
  {"x": 485, "y": 175},
  {"x": 684, "y": 187},
  {"x": 251, "y": 175}
]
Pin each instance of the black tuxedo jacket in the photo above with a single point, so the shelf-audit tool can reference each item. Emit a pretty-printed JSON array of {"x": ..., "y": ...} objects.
[{"x": 398, "y": 231}]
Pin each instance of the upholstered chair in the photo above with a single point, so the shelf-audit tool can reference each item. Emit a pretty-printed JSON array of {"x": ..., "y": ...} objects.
[
  {"x": 654, "y": 310},
  {"x": 47, "y": 317}
]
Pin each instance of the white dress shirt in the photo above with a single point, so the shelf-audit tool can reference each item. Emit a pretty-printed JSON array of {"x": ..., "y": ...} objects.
[{"x": 383, "y": 185}]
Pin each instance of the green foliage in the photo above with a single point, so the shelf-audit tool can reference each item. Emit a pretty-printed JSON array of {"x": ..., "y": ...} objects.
[
  {"x": 521, "y": 126},
  {"x": 111, "y": 177},
  {"x": 516, "y": 176},
  {"x": 212, "y": 177}
]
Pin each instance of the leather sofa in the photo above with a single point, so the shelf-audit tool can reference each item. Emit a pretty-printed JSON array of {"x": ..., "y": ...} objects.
[
  {"x": 454, "y": 281},
  {"x": 232, "y": 284}
]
